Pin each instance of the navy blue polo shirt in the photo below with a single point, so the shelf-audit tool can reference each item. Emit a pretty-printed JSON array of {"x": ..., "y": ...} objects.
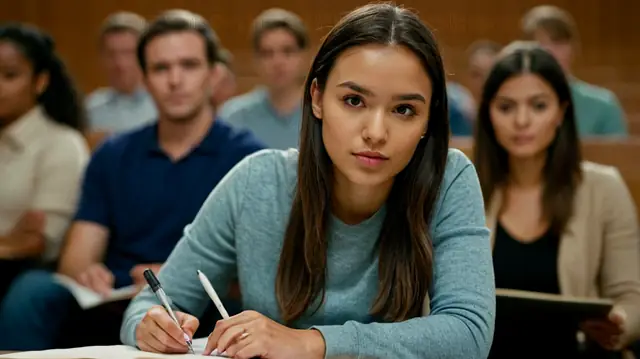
[{"x": 145, "y": 199}]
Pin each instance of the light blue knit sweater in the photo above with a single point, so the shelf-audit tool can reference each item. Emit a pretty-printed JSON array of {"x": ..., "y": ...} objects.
[{"x": 239, "y": 233}]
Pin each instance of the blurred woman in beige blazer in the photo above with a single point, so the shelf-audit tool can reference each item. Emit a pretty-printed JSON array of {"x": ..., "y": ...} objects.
[{"x": 560, "y": 224}]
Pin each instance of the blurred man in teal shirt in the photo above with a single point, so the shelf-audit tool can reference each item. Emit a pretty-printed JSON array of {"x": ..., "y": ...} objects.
[
  {"x": 598, "y": 111},
  {"x": 125, "y": 104}
]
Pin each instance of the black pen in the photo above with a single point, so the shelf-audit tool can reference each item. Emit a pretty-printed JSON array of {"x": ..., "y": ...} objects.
[{"x": 154, "y": 283}]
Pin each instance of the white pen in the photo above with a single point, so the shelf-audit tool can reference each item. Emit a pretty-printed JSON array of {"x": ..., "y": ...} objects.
[{"x": 213, "y": 295}]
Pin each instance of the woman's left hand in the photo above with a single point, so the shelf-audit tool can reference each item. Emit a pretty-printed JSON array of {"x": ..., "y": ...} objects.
[
  {"x": 607, "y": 332},
  {"x": 251, "y": 334}
]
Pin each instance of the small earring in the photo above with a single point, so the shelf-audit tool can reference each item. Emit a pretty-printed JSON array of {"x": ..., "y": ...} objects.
[{"x": 421, "y": 137}]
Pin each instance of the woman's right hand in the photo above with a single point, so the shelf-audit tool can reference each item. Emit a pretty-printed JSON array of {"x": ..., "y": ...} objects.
[{"x": 158, "y": 333}]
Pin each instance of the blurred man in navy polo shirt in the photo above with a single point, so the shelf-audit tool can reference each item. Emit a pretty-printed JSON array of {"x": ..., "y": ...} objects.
[{"x": 140, "y": 190}]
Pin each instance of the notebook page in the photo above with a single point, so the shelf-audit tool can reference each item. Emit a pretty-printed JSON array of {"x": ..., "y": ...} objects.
[{"x": 87, "y": 298}]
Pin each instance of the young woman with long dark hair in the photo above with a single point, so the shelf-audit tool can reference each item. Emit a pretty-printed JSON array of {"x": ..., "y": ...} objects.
[
  {"x": 368, "y": 242},
  {"x": 561, "y": 225}
]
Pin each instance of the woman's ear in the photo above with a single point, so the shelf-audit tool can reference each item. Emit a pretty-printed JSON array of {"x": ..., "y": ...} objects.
[
  {"x": 42, "y": 82},
  {"x": 316, "y": 99}
]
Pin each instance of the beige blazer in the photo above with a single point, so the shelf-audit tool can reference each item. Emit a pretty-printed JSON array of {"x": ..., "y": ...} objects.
[{"x": 599, "y": 253}]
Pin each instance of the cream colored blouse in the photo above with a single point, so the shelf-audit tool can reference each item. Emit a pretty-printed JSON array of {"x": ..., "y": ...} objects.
[{"x": 41, "y": 165}]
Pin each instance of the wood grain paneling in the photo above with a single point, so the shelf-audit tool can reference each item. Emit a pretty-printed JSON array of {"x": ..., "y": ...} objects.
[{"x": 610, "y": 37}]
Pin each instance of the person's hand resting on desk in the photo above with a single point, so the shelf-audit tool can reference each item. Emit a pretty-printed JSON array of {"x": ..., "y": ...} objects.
[
  {"x": 251, "y": 334},
  {"x": 157, "y": 333},
  {"x": 98, "y": 278},
  {"x": 608, "y": 332}
]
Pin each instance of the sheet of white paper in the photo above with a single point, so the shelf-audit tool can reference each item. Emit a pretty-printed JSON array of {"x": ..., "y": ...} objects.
[
  {"x": 199, "y": 345},
  {"x": 87, "y": 298},
  {"x": 109, "y": 352}
]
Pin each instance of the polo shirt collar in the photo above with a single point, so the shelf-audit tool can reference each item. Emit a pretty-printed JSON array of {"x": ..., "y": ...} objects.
[{"x": 210, "y": 144}]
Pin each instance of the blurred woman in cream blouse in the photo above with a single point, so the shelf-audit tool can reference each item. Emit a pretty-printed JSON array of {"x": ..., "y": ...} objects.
[{"x": 42, "y": 150}]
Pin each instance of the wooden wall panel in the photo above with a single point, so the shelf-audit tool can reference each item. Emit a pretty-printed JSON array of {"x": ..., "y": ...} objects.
[{"x": 610, "y": 37}]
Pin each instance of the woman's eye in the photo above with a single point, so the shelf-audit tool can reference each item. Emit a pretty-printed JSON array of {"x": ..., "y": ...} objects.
[
  {"x": 504, "y": 107},
  {"x": 539, "y": 106},
  {"x": 353, "y": 101},
  {"x": 406, "y": 110}
]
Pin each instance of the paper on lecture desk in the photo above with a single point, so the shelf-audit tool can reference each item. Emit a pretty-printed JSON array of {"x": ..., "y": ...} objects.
[
  {"x": 109, "y": 352},
  {"x": 199, "y": 345},
  {"x": 87, "y": 298}
]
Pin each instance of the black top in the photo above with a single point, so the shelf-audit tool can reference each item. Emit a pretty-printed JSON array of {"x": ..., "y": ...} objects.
[
  {"x": 526, "y": 266},
  {"x": 532, "y": 267}
]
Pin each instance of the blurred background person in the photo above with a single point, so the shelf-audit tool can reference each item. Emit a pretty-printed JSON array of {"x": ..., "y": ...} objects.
[
  {"x": 273, "y": 110},
  {"x": 124, "y": 104},
  {"x": 598, "y": 111},
  {"x": 560, "y": 225},
  {"x": 42, "y": 151}
]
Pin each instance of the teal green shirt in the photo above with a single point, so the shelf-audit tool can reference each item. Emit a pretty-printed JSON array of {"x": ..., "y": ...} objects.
[
  {"x": 254, "y": 111},
  {"x": 598, "y": 111},
  {"x": 111, "y": 111}
]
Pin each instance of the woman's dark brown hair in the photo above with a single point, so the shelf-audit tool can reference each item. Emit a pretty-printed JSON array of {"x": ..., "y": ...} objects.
[
  {"x": 404, "y": 244},
  {"x": 562, "y": 171}
]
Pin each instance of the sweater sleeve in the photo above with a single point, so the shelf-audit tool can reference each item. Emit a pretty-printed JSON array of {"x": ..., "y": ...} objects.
[
  {"x": 207, "y": 245},
  {"x": 462, "y": 297}
]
